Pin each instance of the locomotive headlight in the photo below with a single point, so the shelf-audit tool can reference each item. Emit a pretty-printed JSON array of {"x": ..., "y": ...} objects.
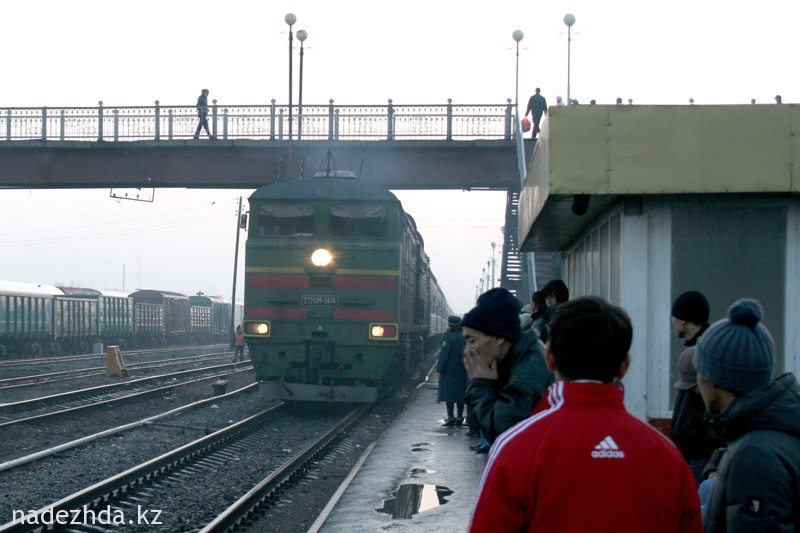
[
  {"x": 383, "y": 332},
  {"x": 262, "y": 329},
  {"x": 321, "y": 257}
]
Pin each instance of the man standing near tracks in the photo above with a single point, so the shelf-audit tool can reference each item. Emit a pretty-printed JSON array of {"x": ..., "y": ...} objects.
[
  {"x": 506, "y": 367},
  {"x": 452, "y": 374},
  {"x": 586, "y": 464},
  {"x": 537, "y": 105},
  {"x": 238, "y": 345}
]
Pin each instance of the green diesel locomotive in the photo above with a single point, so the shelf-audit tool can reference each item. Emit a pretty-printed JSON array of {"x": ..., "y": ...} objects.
[{"x": 339, "y": 297}]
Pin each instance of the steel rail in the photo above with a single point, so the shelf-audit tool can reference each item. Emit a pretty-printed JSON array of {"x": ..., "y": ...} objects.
[
  {"x": 105, "y": 491},
  {"x": 221, "y": 370},
  {"x": 267, "y": 492}
]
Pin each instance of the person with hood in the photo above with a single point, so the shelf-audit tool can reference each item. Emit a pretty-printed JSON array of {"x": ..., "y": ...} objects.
[
  {"x": 758, "y": 416},
  {"x": 506, "y": 367},
  {"x": 555, "y": 292},
  {"x": 689, "y": 429},
  {"x": 452, "y": 374}
]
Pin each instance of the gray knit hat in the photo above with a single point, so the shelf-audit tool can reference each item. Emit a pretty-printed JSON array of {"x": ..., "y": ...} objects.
[{"x": 736, "y": 353}]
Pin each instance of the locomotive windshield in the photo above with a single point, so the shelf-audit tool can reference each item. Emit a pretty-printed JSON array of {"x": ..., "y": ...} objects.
[
  {"x": 286, "y": 219},
  {"x": 358, "y": 220}
]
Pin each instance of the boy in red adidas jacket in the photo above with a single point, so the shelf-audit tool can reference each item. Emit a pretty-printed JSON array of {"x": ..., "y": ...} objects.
[{"x": 586, "y": 464}]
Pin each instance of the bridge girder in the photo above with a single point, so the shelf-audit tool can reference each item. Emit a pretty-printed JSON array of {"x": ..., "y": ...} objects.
[{"x": 423, "y": 164}]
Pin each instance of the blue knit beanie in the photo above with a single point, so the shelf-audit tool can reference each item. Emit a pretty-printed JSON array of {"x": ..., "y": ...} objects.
[
  {"x": 496, "y": 313},
  {"x": 737, "y": 353}
]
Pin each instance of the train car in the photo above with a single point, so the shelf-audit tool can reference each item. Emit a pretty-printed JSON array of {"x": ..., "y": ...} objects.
[
  {"x": 210, "y": 318},
  {"x": 160, "y": 317},
  {"x": 337, "y": 292},
  {"x": 440, "y": 310},
  {"x": 114, "y": 314},
  {"x": 26, "y": 318}
]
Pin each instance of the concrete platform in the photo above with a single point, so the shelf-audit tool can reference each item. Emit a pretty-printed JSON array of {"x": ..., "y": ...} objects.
[{"x": 417, "y": 466}]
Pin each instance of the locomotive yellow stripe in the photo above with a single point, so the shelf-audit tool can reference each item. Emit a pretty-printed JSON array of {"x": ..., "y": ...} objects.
[
  {"x": 369, "y": 272},
  {"x": 277, "y": 270},
  {"x": 343, "y": 271}
]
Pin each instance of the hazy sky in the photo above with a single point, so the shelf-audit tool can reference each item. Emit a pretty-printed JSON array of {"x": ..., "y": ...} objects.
[{"x": 132, "y": 53}]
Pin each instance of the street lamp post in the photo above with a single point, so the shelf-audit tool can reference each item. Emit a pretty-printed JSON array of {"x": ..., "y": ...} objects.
[
  {"x": 290, "y": 19},
  {"x": 569, "y": 20},
  {"x": 494, "y": 245},
  {"x": 302, "y": 35},
  {"x": 517, "y": 35}
]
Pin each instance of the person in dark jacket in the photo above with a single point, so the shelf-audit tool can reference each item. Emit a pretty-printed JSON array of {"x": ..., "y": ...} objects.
[
  {"x": 537, "y": 106},
  {"x": 202, "y": 114},
  {"x": 452, "y": 374},
  {"x": 555, "y": 292},
  {"x": 538, "y": 305},
  {"x": 507, "y": 370},
  {"x": 690, "y": 430},
  {"x": 759, "y": 417}
]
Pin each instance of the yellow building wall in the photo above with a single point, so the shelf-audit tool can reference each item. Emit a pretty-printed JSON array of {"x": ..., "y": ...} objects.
[{"x": 671, "y": 149}]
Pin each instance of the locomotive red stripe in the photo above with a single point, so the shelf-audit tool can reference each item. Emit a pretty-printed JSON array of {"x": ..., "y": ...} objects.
[
  {"x": 365, "y": 283},
  {"x": 277, "y": 312},
  {"x": 373, "y": 315},
  {"x": 282, "y": 281}
]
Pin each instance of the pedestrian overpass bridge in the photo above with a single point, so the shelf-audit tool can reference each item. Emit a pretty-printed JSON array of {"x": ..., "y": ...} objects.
[
  {"x": 447, "y": 146},
  {"x": 400, "y": 147}
]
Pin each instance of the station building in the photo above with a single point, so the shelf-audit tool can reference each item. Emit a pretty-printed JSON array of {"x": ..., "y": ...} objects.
[{"x": 646, "y": 202}]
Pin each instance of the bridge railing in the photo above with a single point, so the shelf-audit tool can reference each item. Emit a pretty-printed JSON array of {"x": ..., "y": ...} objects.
[{"x": 312, "y": 122}]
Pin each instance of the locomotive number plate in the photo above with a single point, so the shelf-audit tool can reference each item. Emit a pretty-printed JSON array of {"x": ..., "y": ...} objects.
[{"x": 319, "y": 300}]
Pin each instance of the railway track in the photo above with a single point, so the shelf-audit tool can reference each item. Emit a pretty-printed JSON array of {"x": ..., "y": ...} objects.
[
  {"x": 69, "y": 402},
  {"x": 35, "y": 380},
  {"x": 12, "y": 363},
  {"x": 158, "y": 494}
]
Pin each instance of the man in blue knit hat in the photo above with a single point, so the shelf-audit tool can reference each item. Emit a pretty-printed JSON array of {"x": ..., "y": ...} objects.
[
  {"x": 506, "y": 367},
  {"x": 759, "y": 417}
]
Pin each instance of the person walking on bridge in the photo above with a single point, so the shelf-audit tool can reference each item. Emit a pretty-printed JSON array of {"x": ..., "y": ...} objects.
[
  {"x": 202, "y": 114},
  {"x": 537, "y": 105}
]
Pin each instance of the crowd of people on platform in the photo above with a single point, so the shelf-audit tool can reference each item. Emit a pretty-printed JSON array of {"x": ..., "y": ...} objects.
[{"x": 541, "y": 386}]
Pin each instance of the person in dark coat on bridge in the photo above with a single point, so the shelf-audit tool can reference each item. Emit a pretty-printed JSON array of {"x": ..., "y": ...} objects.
[
  {"x": 537, "y": 105},
  {"x": 202, "y": 114},
  {"x": 452, "y": 374}
]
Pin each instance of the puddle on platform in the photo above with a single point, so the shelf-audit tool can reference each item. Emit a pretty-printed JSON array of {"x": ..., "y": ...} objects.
[
  {"x": 416, "y": 472},
  {"x": 413, "y": 498},
  {"x": 419, "y": 447}
]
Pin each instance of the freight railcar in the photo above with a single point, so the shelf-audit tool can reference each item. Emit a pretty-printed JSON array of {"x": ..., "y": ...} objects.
[
  {"x": 37, "y": 319},
  {"x": 339, "y": 296},
  {"x": 114, "y": 314},
  {"x": 210, "y": 318},
  {"x": 160, "y": 317}
]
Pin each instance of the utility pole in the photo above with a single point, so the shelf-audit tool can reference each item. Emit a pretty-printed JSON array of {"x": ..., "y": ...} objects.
[{"x": 235, "y": 268}]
